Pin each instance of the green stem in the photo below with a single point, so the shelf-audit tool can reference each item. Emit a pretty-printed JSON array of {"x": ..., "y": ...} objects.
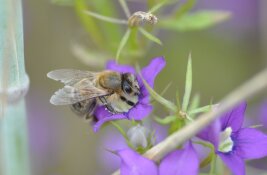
[
  {"x": 119, "y": 128},
  {"x": 125, "y": 8},
  {"x": 213, "y": 165},
  {"x": 14, "y": 84}
]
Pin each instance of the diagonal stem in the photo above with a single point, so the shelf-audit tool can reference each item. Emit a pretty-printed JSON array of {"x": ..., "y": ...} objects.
[
  {"x": 106, "y": 18},
  {"x": 250, "y": 88},
  {"x": 125, "y": 8}
]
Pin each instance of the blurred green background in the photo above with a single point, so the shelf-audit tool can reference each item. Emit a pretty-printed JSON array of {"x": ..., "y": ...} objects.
[{"x": 224, "y": 56}]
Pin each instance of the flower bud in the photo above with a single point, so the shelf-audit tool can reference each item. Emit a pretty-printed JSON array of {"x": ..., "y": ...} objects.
[{"x": 139, "y": 136}]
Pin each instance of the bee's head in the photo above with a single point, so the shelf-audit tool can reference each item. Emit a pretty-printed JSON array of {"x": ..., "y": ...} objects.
[{"x": 129, "y": 85}]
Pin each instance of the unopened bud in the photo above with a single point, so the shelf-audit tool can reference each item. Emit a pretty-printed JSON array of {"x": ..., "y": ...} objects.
[
  {"x": 139, "y": 136},
  {"x": 140, "y": 17}
]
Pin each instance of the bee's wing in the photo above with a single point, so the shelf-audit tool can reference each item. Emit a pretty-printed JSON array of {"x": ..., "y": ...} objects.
[
  {"x": 79, "y": 86},
  {"x": 70, "y": 95},
  {"x": 70, "y": 76}
]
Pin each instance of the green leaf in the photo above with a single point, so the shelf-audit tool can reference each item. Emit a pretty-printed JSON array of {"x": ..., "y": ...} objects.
[
  {"x": 163, "y": 91},
  {"x": 161, "y": 4},
  {"x": 123, "y": 43},
  {"x": 166, "y": 120},
  {"x": 201, "y": 109},
  {"x": 150, "y": 36},
  {"x": 184, "y": 8},
  {"x": 176, "y": 125},
  {"x": 188, "y": 85},
  {"x": 106, "y": 18},
  {"x": 166, "y": 103},
  {"x": 195, "y": 102},
  {"x": 195, "y": 21},
  {"x": 125, "y": 8}
]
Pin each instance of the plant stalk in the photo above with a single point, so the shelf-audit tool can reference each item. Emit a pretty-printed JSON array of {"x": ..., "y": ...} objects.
[{"x": 14, "y": 84}]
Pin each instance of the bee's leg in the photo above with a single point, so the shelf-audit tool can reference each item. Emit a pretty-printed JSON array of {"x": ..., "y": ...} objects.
[
  {"x": 107, "y": 105},
  {"x": 103, "y": 100}
]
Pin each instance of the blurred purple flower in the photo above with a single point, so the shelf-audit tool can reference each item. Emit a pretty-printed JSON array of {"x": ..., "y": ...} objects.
[
  {"x": 235, "y": 144},
  {"x": 113, "y": 140},
  {"x": 175, "y": 163},
  {"x": 143, "y": 108}
]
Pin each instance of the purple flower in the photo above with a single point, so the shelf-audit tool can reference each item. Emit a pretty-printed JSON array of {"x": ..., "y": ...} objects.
[
  {"x": 234, "y": 144},
  {"x": 143, "y": 108},
  {"x": 179, "y": 162}
]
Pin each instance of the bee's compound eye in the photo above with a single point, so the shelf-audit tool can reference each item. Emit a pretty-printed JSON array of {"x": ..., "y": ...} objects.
[{"x": 127, "y": 89}]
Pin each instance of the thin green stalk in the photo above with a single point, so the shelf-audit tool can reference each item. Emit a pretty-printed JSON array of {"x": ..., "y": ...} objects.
[
  {"x": 125, "y": 8},
  {"x": 14, "y": 84},
  {"x": 213, "y": 165},
  {"x": 106, "y": 18}
]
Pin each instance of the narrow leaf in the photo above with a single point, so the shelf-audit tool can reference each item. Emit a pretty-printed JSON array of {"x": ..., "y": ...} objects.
[
  {"x": 165, "y": 120},
  {"x": 164, "y": 90},
  {"x": 161, "y": 4},
  {"x": 123, "y": 43},
  {"x": 125, "y": 8},
  {"x": 188, "y": 84},
  {"x": 106, "y": 18},
  {"x": 201, "y": 109},
  {"x": 157, "y": 6},
  {"x": 150, "y": 36},
  {"x": 195, "y": 21},
  {"x": 184, "y": 8},
  {"x": 166, "y": 103},
  {"x": 195, "y": 102}
]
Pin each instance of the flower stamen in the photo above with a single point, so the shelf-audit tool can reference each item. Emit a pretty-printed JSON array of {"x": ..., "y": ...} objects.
[{"x": 226, "y": 143}]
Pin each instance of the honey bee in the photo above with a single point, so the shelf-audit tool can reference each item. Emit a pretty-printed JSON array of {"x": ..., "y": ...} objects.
[{"x": 85, "y": 90}]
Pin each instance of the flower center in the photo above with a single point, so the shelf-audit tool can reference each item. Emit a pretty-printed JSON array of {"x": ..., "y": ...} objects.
[{"x": 226, "y": 143}]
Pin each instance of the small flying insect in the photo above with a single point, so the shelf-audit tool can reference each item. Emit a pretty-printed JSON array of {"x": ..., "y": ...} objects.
[{"x": 85, "y": 90}]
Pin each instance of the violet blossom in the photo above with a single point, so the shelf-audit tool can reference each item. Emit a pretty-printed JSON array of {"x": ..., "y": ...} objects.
[
  {"x": 234, "y": 144},
  {"x": 143, "y": 108},
  {"x": 178, "y": 162}
]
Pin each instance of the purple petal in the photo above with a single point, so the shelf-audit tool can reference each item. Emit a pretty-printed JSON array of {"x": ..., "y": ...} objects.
[
  {"x": 263, "y": 114},
  {"x": 104, "y": 116},
  {"x": 180, "y": 162},
  {"x": 150, "y": 72},
  {"x": 112, "y": 65},
  {"x": 234, "y": 118},
  {"x": 211, "y": 133},
  {"x": 134, "y": 164},
  {"x": 111, "y": 140},
  {"x": 235, "y": 163},
  {"x": 140, "y": 111},
  {"x": 250, "y": 143}
]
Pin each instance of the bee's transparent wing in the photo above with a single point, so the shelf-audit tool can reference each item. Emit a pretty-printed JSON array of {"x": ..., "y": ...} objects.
[
  {"x": 71, "y": 95},
  {"x": 70, "y": 76},
  {"x": 79, "y": 86}
]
